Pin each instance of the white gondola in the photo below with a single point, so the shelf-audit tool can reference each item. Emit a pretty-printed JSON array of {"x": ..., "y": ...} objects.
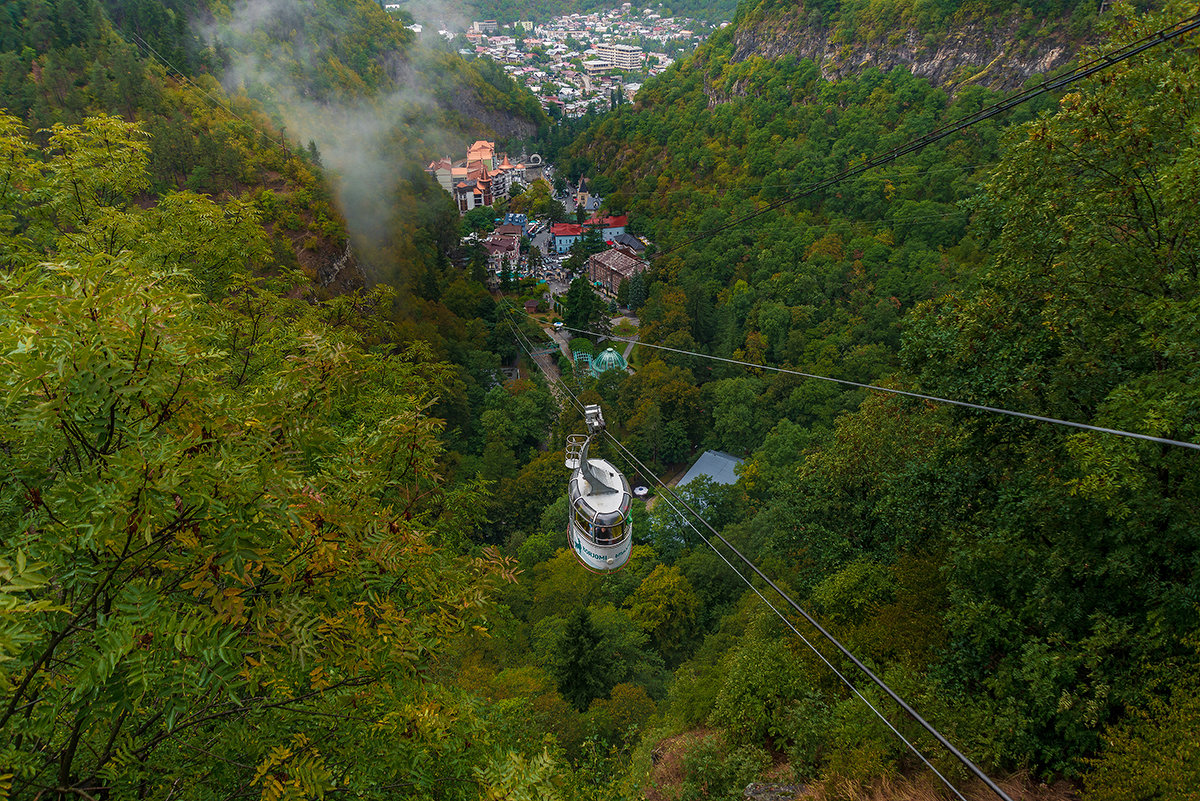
[{"x": 599, "y": 531}]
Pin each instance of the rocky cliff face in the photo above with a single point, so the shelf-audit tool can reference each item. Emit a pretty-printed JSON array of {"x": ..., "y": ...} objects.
[
  {"x": 341, "y": 272},
  {"x": 996, "y": 52}
]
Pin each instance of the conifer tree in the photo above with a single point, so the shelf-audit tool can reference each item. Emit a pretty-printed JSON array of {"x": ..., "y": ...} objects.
[{"x": 581, "y": 667}]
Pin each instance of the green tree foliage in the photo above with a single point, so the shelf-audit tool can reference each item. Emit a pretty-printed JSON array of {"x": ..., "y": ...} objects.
[
  {"x": 191, "y": 143},
  {"x": 1030, "y": 587},
  {"x": 518, "y": 778},
  {"x": 820, "y": 286},
  {"x": 623, "y": 293},
  {"x": 713, "y": 769},
  {"x": 618, "y": 717},
  {"x": 637, "y": 291},
  {"x": 583, "y": 307},
  {"x": 582, "y": 667},
  {"x": 1153, "y": 753},
  {"x": 760, "y": 678},
  {"x": 1087, "y": 314},
  {"x": 662, "y": 412},
  {"x": 665, "y": 605},
  {"x": 538, "y": 201},
  {"x": 220, "y": 524},
  {"x": 520, "y": 499},
  {"x": 230, "y": 538},
  {"x": 855, "y": 593}
]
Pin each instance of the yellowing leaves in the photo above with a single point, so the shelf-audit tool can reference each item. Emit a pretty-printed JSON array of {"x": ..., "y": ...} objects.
[
  {"x": 215, "y": 526},
  {"x": 293, "y": 771}
]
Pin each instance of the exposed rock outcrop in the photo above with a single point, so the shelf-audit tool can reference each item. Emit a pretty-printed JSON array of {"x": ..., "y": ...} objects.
[
  {"x": 758, "y": 791},
  {"x": 336, "y": 271},
  {"x": 998, "y": 53}
]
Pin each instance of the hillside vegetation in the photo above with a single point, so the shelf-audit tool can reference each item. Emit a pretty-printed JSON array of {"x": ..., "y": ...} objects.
[
  {"x": 261, "y": 538},
  {"x": 1028, "y": 585}
]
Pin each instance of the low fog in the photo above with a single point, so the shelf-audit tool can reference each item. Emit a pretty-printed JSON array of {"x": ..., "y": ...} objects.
[{"x": 355, "y": 140}]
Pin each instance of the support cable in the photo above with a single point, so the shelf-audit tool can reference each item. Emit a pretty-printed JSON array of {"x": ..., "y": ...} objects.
[
  {"x": 912, "y": 713},
  {"x": 1102, "y": 62},
  {"x": 903, "y": 392},
  {"x": 669, "y": 495},
  {"x": 642, "y": 468}
]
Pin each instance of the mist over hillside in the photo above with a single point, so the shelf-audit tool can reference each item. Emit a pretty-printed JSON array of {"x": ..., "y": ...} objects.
[
  {"x": 268, "y": 531},
  {"x": 377, "y": 102}
]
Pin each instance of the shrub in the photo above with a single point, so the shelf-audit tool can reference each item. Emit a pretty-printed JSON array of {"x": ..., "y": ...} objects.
[
  {"x": 693, "y": 692},
  {"x": 860, "y": 746},
  {"x": 582, "y": 345},
  {"x": 713, "y": 771},
  {"x": 855, "y": 592},
  {"x": 761, "y": 680}
]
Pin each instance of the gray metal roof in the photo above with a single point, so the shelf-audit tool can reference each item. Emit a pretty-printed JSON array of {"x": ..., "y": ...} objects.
[{"x": 717, "y": 465}]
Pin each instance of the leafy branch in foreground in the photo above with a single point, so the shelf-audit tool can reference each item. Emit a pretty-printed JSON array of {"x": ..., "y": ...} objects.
[{"x": 219, "y": 574}]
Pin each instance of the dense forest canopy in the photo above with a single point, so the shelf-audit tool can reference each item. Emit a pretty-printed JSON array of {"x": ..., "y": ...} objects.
[
  {"x": 1017, "y": 607},
  {"x": 266, "y": 533}
]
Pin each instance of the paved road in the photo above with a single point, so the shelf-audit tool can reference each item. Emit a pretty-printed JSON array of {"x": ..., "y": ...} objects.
[{"x": 562, "y": 338}]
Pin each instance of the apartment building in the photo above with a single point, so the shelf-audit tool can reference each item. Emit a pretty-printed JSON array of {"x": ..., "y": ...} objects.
[{"x": 621, "y": 56}]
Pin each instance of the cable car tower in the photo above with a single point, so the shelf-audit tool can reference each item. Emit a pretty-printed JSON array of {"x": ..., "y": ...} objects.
[{"x": 599, "y": 530}]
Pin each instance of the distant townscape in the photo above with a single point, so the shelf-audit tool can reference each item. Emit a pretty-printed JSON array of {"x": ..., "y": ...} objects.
[
  {"x": 524, "y": 246},
  {"x": 579, "y": 61}
]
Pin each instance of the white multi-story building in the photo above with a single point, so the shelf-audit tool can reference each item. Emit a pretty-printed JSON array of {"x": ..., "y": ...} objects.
[{"x": 621, "y": 56}]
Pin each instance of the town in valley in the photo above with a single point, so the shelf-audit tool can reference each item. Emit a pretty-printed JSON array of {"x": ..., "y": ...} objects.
[{"x": 582, "y": 61}]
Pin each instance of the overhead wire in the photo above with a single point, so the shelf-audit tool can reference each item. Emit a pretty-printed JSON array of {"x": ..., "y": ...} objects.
[
  {"x": 216, "y": 101},
  {"x": 1101, "y": 62},
  {"x": 870, "y": 674},
  {"x": 528, "y": 347},
  {"x": 841, "y": 676},
  {"x": 893, "y": 391},
  {"x": 669, "y": 494}
]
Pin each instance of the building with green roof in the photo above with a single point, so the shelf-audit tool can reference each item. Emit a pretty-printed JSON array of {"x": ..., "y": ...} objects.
[{"x": 608, "y": 360}]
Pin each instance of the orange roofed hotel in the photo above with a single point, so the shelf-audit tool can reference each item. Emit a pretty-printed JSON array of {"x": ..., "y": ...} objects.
[{"x": 479, "y": 180}]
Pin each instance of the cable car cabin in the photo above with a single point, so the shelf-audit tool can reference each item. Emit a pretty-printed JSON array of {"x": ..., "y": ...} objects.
[{"x": 599, "y": 530}]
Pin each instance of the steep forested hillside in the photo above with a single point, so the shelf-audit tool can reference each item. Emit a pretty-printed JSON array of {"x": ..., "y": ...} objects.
[
  {"x": 232, "y": 536},
  {"x": 377, "y": 105},
  {"x": 346, "y": 79},
  {"x": 260, "y": 538},
  {"x": 1028, "y": 585},
  {"x": 60, "y": 64},
  {"x": 210, "y": 549}
]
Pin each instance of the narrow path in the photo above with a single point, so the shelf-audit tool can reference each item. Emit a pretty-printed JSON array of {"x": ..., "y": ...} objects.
[
  {"x": 549, "y": 367},
  {"x": 562, "y": 340},
  {"x": 670, "y": 479}
]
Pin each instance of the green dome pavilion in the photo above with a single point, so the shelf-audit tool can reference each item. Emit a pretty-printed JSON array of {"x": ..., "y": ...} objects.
[{"x": 608, "y": 360}]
